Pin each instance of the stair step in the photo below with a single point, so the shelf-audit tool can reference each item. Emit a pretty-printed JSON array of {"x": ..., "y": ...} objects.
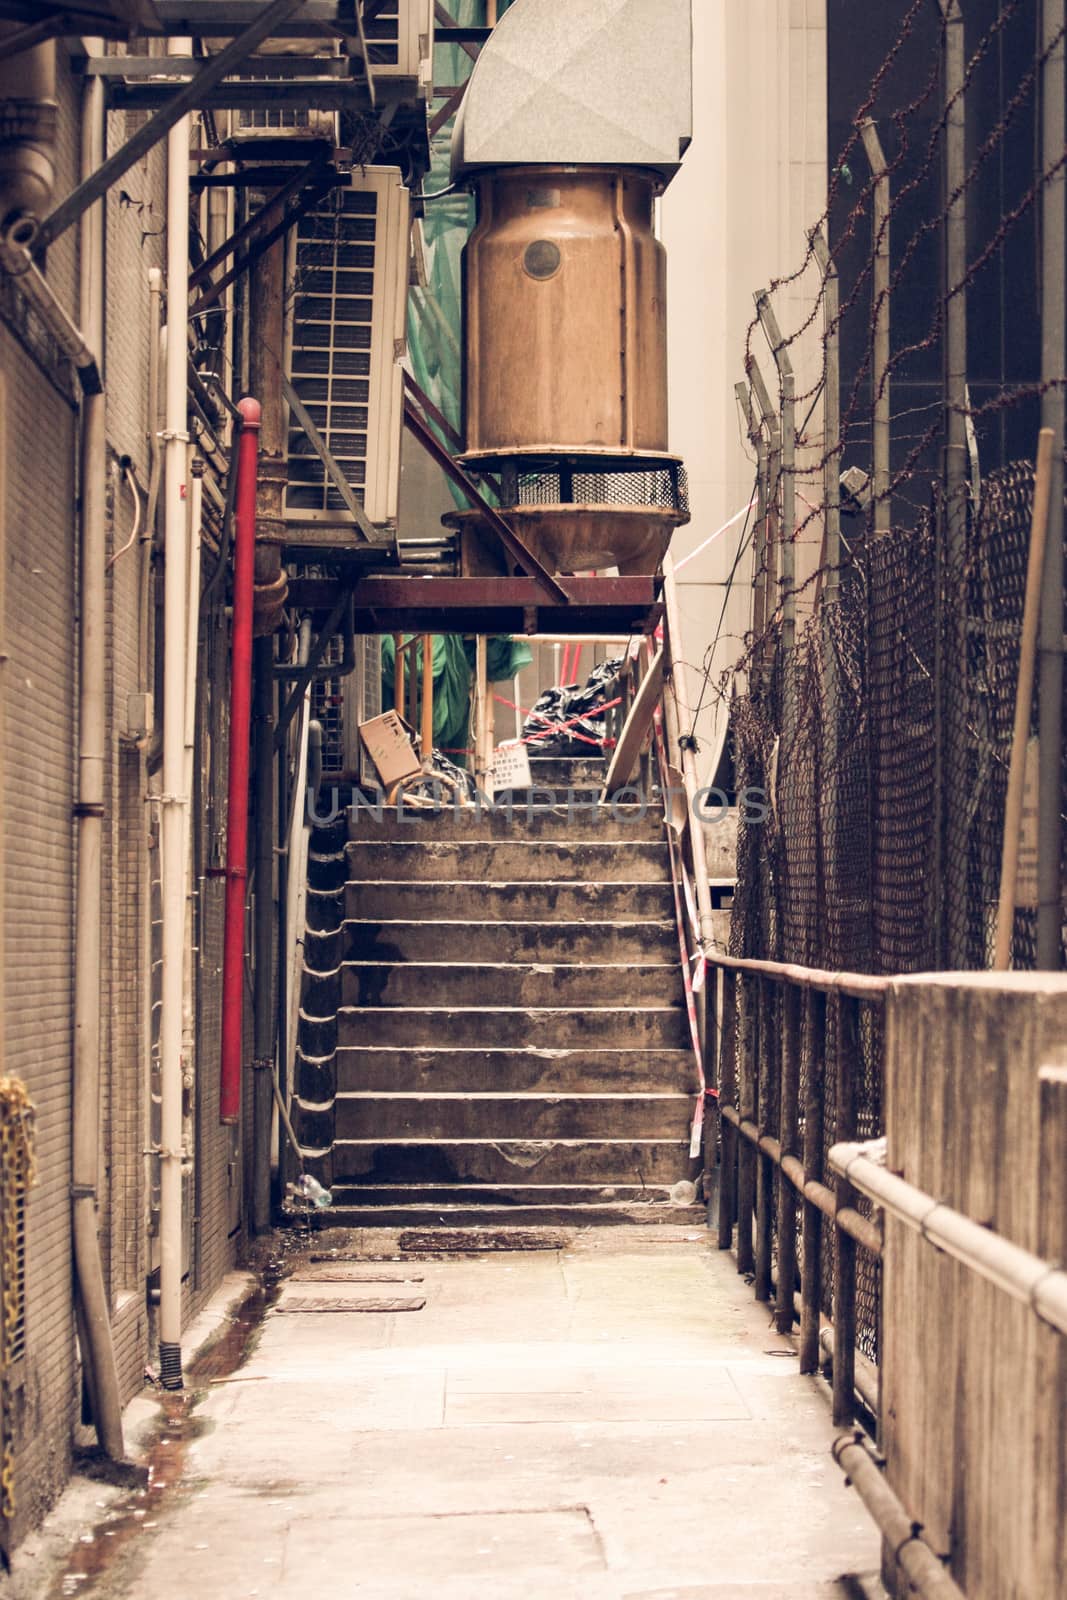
[
  {"x": 449, "y": 983},
  {"x": 563, "y": 771},
  {"x": 378, "y": 1068},
  {"x": 485, "y": 1214},
  {"x": 580, "y": 823},
  {"x": 551, "y": 942},
  {"x": 655, "y": 1195},
  {"x": 509, "y": 902},
  {"x": 477, "y": 1161},
  {"x": 508, "y": 861},
  {"x": 509, "y": 1027},
  {"x": 501, "y": 1117}
]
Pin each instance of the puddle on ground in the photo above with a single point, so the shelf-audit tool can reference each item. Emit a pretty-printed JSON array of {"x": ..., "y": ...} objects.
[{"x": 115, "y": 1537}]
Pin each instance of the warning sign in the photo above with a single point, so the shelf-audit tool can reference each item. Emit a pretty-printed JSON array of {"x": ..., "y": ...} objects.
[{"x": 511, "y": 767}]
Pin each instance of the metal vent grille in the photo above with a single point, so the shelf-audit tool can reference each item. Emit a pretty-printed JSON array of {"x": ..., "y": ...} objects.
[
  {"x": 662, "y": 488},
  {"x": 327, "y": 707},
  {"x": 383, "y": 35},
  {"x": 337, "y": 255}
]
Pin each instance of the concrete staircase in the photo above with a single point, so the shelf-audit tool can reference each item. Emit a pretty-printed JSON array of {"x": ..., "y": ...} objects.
[{"x": 493, "y": 1024}]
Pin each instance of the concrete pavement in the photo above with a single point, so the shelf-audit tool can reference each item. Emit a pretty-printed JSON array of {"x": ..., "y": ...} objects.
[{"x": 613, "y": 1419}]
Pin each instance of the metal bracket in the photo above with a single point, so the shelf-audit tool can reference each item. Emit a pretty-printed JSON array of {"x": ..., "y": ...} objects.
[{"x": 185, "y": 100}]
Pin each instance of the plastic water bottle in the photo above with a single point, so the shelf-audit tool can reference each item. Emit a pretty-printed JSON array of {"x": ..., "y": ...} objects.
[{"x": 311, "y": 1189}]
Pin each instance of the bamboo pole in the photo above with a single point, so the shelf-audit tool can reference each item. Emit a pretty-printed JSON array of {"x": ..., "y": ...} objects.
[
  {"x": 398, "y": 672},
  {"x": 1024, "y": 694},
  {"x": 427, "y": 696}
]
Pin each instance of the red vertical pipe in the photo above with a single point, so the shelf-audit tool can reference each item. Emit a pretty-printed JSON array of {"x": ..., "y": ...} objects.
[{"x": 233, "y": 958}]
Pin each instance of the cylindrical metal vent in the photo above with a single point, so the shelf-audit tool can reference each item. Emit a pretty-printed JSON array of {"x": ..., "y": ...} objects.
[
  {"x": 566, "y": 313},
  {"x": 28, "y": 114}
]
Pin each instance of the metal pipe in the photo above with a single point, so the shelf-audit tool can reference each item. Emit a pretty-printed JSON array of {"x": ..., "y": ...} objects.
[
  {"x": 861, "y": 985},
  {"x": 263, "y": 1014},
  {"x": 688, "y": 762},
  {"x": 882, "y": 513},
  {"x": 17, "y": 262},
  {"x": 28, "y": 144},
  {"x": 847, "y": 1218},
  {"x": 787, "y": 529},
  {"x": 868, "y": 1386},
  {"x": 957, "y": 470},
  {"x": 1053, "y": 251},
  {"x": 94, "y": 1325},
  {"x": 1026, "y": 1277},
  {"x": 921, "y": 1567},
  {"x": 831, "y": 409},
  {"x": 1024, "y": 697},
  {"x": 759, "y": 577},
  {"x": 174, "y": 799},
  {"x": 233, "y": 958}
]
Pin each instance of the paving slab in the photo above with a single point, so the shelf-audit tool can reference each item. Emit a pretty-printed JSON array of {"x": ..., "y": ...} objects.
[{"x": 612, "y": 1419}]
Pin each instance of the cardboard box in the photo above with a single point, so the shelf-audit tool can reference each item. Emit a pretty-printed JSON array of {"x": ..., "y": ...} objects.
[{"x": 389, "y": 742}]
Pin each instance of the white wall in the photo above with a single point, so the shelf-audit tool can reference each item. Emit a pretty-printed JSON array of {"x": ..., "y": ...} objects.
[{"x": 736, "y": 217}]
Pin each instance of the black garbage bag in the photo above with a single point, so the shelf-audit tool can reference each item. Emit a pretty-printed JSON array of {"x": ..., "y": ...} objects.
[{"x": 565, "y": 716}]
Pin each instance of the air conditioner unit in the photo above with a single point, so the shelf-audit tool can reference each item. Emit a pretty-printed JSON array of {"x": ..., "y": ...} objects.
[
  {"x": 399, "y": 39},
  {"x": 345, "y": 341},
  {"x": 270, "y": 120}
]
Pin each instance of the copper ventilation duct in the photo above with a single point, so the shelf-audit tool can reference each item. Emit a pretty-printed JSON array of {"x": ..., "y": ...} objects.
[
  {"x": 27, "y": 138},
  {"x": 574, "y": 122}
]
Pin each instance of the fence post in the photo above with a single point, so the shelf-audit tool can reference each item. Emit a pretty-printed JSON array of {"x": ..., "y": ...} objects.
[
  {"x": 831, "y": 408},
  {"x": 846, "y": 1036},
  {"x": 746, "y": 1152},
  {"x": 1053, "y": 234},
  {"x": 728, "y": 1096},
  {"x": 811, "y": 1236},
  {"x": 788, "y": 586},
  {"x": 956, "y": 475},
  {"x": 788, "y": 1129},
  {"x": 880, "y": 478},
  {"x": 772, "y": 474},
  {"x": 766, "y": 992}
]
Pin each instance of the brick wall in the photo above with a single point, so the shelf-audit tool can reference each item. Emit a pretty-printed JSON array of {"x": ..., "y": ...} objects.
[
  {"x": 39, "y": 760},
  {"x": 39, "y": 454}
]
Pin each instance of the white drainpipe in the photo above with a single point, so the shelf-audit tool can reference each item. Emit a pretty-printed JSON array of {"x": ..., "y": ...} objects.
[
  {"x": 195, "y": 504},
  {"x": 174, "y": 799},
  {"x": 94, "y": 1325}
]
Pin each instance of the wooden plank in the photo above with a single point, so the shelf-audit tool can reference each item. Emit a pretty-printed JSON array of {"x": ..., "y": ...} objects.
[{"x": 636, "y": 729}]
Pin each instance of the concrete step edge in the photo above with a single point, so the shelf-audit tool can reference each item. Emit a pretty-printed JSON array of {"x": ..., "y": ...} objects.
[{"x": 555, "y": 1096}]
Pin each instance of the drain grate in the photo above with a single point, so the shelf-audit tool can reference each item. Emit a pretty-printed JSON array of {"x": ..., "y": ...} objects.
[
  {"x": 473, "y": 1241},
  {"x": 337, "y": 1272},
  {"x": 316, "y": 1303}
]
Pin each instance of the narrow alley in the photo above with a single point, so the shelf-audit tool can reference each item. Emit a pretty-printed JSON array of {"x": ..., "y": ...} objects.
[
  {"x": 607, "y": 1415},
  {"x": 533, "y": 889}
]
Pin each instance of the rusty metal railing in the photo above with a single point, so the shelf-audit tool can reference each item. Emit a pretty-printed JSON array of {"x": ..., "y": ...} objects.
[{"x": 799, "y": 1068}]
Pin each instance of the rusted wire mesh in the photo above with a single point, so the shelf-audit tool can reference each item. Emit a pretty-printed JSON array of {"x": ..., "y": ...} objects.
[{"x": 886, "y": 776}]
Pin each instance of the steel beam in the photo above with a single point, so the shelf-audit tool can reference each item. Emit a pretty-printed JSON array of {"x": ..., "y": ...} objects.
[
  {"x": 598, "y": 607},
  {"x": 526, "y": 559},
  {"x": 250, "y": 230},
  {"x": 299, "y": 94},
  {"x": 189, "y": 98},
  {"x": 308, "y": 199}
]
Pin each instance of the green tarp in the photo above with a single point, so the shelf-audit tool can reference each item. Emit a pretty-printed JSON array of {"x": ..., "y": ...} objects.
[{"x": 453, "y": 670}]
